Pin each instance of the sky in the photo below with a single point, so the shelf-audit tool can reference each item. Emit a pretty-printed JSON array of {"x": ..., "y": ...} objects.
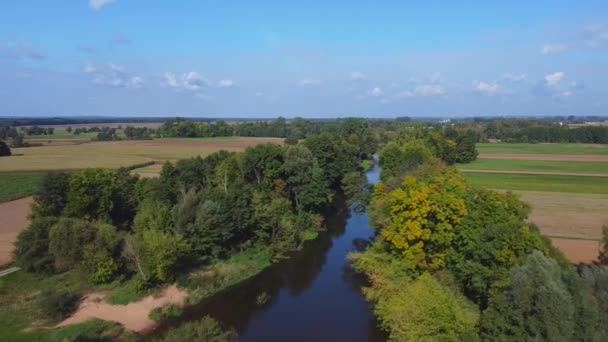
[{"x": 223, "y": 58}]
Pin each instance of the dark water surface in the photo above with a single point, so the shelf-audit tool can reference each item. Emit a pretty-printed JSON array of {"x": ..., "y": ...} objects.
[{"x": 313, "y": 296}]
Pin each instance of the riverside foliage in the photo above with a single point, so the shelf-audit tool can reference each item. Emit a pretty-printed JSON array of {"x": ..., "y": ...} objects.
[
  {"x": 111, "y": 226},
  {"x": 451, "y": 262}
]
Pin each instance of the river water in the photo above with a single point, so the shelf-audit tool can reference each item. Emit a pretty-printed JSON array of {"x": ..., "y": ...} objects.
[{"x": 313, "y": 296}]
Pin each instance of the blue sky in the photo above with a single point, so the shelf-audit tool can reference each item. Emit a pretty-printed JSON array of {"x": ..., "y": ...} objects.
[{"x": 306, "y": 58}]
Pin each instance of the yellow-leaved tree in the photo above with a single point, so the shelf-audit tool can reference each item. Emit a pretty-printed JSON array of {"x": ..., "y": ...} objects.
[{"x": 422, "y": 214}]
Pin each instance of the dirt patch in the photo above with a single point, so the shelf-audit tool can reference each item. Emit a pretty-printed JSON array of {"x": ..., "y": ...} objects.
[
  {"x": 514, "y": 172},
  {"x": 133, "y": 316},
  {"x": 554, "y": 157},
  {"x": 578, "y": 251},
  {"x": 13, "y": 219}
]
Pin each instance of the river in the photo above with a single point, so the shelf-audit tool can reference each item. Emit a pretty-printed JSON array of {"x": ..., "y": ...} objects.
[{"x": 313, "y": 296}]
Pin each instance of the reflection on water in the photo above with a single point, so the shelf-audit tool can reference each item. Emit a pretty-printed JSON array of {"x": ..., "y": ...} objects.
[{"x": 313, "y": 296}]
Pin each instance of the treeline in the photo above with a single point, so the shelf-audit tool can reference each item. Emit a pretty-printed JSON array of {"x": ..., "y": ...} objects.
[
  {"x": 452, "y": 262},
  {"x": 110, "y": 225},
  {"x": 534, "y": 132}
]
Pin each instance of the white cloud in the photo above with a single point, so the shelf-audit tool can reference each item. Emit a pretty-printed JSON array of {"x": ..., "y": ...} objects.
[
  {"x": 112, "y": 75},
  {"x": 117, "y": 68},
  {"x": 567, "y": 93},
  {"x": 551, "y": 49},
  {"x": 357, "y": 76},
  {"x": 171, "y": 80},
  {"x": 554, "y": 78},
  {"x": 136, "y": 82},
  {"x": 193, "y": 81},
  {"x": 190, "y": 81},
  {"x": 308, "y": 81},
  {"x": 89, "y": 68},
  {"x": 226, "y": 84},
  {"x": 429, "y": 90},
  {"x": 596, "y": 36},
  {"x": 376, "y": 92},
  {"x": 98, "y": 4},
  {"x": 486, "y": 88},
  {"x": 514, "y": 77}
]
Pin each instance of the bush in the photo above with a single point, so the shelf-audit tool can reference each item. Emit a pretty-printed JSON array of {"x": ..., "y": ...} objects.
[
  {"x": 5, "y": 151},
  {"x": 207, "y": 329},
  {"x": 166, "y": 312},
  {"x": 57, "y": 304},
  {"x": 32, "y": 246}
]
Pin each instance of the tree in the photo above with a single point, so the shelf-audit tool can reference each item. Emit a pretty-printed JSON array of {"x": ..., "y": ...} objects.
[
  {"x": 161, "y": 252},
  {"x": 603, "y": 257},
  {"x": 423, "y": 214},
  {"x": 263, "y": 164},
  {"x": 67, "y": 239},
  {"x": 334, "y": 156},
  {"x": 423, "y": 310},
  {"x": 305, "y": 181},
  {"x": 51, "y": 198},
  {"x": 5, "y": 151},
  {"x": 538, "y": 304},
  {"x": 489, "y": 241},
  {"x": 207, "y": 329},
  {"x": 104, "y": 195},
  {"x": 32, "y": 246},
  {"x": 275, "y": 222},
  {"x": 152, "y": 214}
]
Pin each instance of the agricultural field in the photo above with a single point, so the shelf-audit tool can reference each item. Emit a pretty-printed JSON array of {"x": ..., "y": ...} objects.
[
  {"x": 543, "y": 148},
  {"x": 15, "y": 185},
  {"x": 116, "y": 154},
  {"x": 565, "y": 184}
]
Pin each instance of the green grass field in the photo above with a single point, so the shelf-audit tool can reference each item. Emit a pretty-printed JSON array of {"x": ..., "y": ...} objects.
[
  {"x": 15, "y": 185},
  {"x": 537, "y": 165},
  {"x": 579, "y": 184},
  {"x": 543, "y": 148}
]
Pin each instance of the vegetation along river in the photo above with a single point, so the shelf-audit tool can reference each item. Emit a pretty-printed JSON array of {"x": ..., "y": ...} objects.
[{"x": 313, "y": 296}]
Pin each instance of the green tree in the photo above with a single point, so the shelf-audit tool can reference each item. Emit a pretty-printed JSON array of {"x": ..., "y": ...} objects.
[
  {"x": 5, "y": 151},
  {"x": 32, "y": 246},
  {"x": 104, "y": 195},
  {"x": 152, "y": 214},
  {"x": 537, "y": 305},
  {"x": 207, "y": 329},
  {"x": 52, "y": 197},
  {"x": 305, "y": 181},
  {"x": 161, "y": 252},
  {"x": 67, "y": 240},
  {"x": 489, "y": 241},
  {"x": 263, "y": 164}
]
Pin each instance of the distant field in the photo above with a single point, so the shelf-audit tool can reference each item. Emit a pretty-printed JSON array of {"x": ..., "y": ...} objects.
[
  {"x": 15, "y": 185},
  {"x": 543, "y": 148},
  {"x": 537, "y": 165},
  {"x": 120, "y": 153},
  {"x": 577, "y": 184},
  {"x": 570, "y": 215}
]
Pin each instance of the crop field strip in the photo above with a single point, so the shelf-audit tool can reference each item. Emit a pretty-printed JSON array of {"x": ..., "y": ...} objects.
[
  {"x": 565, "y": 184},
  {"x": 119, "y": 153},
  {"x": 545, "y": 148}
]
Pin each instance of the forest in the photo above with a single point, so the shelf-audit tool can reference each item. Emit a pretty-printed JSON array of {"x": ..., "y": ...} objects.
[{"x": 452, "y": 262}]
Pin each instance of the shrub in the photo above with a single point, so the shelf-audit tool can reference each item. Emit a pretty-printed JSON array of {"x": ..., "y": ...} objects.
[
  {"x": 207, "y": 329},
  {"x": 57, "y": 304},
  {"x": 5, "y": 151},
  {"x": 32, "y": 246},
  {"x": 166, "y": 312}
]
